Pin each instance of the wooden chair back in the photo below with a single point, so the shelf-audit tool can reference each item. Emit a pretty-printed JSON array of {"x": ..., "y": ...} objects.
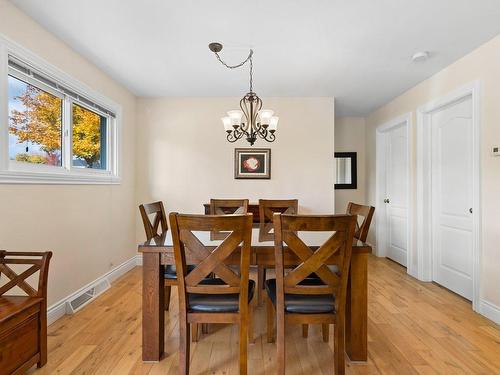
[
  {"x": 210, "y": 261},
  {"x": 159, "y": 219},
  {"x": 267, "y": 208},
  {"x": 37, "y": 262},
  {"x": 366, "y": 212},
  {"x": 336, "y": 250},
  {"x": 226, "y": 207}
]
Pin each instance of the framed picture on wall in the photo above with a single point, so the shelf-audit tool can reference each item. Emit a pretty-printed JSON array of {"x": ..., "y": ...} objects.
[{"x": 252, "y": 163}]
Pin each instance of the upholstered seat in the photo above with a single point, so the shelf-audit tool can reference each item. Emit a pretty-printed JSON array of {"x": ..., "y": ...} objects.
[
  {"x": 217, "y": 303},
  {"x": 301, "y": 303},
  {"x": 171, "y": 271}
]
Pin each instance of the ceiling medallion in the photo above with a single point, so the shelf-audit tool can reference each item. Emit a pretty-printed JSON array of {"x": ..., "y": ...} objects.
[{"x": 251, "y": 121}]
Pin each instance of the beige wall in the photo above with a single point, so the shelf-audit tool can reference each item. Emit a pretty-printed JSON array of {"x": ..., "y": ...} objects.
[
  {"x": 89, "y": 228},
  {"x": 482, "y": 64},
  {"x": 185, "y": 159},
  {"x": 350, "y": 137}
]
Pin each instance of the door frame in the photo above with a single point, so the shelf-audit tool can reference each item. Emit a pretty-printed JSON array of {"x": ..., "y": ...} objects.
[
  {"x": 406, "y": 121},
  {"x": 424, "y": 184}
]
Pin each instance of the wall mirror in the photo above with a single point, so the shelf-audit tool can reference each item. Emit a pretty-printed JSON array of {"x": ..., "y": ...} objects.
[{"x": 345, "y": 165}]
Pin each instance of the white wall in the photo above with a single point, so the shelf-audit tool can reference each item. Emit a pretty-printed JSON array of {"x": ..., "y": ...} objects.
[
  {"x": 89, "y": 228},
  {"x": 185, "y": 159},
  {"x": 350, "y": 137},
  {"x": 481, "y": 64}
]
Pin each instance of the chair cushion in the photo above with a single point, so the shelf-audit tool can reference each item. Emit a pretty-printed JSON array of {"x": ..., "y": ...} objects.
[
  {"x": 216, "y": 303},
  {"x": 303, "y": 303},
  {"x": 171, "y": 271}
]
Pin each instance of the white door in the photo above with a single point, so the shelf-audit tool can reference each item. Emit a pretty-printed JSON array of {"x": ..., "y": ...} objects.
[
  {"x": 396, "y": 191},
  {"x": 452, "y": 196}
]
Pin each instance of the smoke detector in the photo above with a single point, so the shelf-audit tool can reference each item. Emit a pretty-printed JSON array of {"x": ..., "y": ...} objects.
[{"x": 420, "y": 56}]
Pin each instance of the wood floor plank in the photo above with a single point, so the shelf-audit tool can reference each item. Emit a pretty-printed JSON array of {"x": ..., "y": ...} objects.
[{"x": 413, "y": 328}]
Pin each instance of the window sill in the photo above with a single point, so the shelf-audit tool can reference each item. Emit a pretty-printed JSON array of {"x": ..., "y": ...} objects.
[{"x": 18, "y": 177}]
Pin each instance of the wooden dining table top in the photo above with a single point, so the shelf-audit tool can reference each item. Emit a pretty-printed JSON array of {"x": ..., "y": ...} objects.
[{"x": 163, "y": 243}]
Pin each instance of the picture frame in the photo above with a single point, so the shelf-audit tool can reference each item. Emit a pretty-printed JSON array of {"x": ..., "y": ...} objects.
[{"x": 252, "y": 163}]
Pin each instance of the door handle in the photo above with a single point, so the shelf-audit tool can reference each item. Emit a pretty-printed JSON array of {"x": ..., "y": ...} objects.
[
  {"x": 386, "y": 200},
  {"x": 470, "y": 210}
]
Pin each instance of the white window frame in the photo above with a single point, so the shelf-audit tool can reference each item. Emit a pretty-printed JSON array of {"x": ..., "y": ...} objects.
[{"x": 14, "y": 172}]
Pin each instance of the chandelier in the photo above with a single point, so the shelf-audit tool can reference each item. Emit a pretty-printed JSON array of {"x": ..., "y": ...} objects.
[{"x": 250, "y": 121}]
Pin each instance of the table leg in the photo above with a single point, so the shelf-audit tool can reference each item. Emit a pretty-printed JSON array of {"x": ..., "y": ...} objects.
[
  {"x": 357, "y": 309},
  {"x": 153, "y": 316}
]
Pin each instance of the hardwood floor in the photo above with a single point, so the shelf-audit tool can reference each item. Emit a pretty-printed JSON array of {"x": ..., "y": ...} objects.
[{"x": 414, "y": 328}]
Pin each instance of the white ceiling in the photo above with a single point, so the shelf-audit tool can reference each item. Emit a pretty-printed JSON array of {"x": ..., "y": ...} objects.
[{"x": 358, "y": 50}]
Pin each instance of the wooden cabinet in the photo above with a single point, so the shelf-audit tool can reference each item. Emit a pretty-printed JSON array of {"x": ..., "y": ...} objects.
[{"x": 23, "y": 319}]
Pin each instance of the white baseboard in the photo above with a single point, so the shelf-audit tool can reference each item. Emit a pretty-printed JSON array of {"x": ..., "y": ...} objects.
[
  {"x": 58, "y": 309},
  {"x": 489, "y": 310},
  {"x": 138, "y": 258}
]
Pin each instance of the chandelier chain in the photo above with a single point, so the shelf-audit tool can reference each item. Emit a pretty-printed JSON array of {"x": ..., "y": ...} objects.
[{"x": 249, "y": 58}]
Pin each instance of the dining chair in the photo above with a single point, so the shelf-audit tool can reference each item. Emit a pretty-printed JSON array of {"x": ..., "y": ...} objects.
[
  {"x": 226, "y": 207},
  {"x": 365, "y": 213},
  {"x": 227, "y": 297},
  {"x": 267, "y": 207},
  {"x": 294, "y": 298},
  {"x": 223, "y": 207},
  {"x": 155, "y": 223}
]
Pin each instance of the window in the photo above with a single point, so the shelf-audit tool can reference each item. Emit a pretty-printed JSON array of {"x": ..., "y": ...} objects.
[{"x": 57, "y": 131}]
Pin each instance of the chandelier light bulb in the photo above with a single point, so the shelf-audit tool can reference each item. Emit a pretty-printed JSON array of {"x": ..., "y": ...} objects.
[
  {"x": 235, "y": 117},
  {"x": 273, "y": 123},
  {"x": 265, "y": 116},
  {"x": 226, "y": 120}
]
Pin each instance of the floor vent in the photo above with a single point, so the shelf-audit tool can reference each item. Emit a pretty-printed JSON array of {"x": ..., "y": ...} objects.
[{"x": 86, "y": 296}]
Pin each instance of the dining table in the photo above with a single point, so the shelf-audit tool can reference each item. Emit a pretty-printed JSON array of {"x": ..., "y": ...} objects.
[{"x": 158, "y": 252}]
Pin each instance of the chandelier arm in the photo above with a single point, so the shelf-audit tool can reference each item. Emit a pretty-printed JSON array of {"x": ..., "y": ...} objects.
[
  {"x": 256, "y": 108},
  {"x": 245, "y": 112},
  {"x": 234, "y": 135},
  {"x": 270, "y": 137}
]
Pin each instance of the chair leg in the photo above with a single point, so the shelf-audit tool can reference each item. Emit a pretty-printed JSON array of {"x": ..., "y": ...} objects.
[
  {"x": 243, "y": 347},
  {"x": 251, "y": 338},
  {"x": 184, "y": 344},
  {"x": 325, "y": 329},
  {"x": 195, "y": 333},
  {"x": 270, "y": 320},
  {"x": 339, "y": 347},
  {"x": 261, "y": 278},
  {"x": 167, "y": 291},
  {"x": 42, "y": 339},
  {"x": 280, "y": 343}
]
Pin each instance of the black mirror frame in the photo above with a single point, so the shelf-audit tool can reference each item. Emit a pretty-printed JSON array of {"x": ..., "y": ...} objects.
[{"x": 354, "y": 170}]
